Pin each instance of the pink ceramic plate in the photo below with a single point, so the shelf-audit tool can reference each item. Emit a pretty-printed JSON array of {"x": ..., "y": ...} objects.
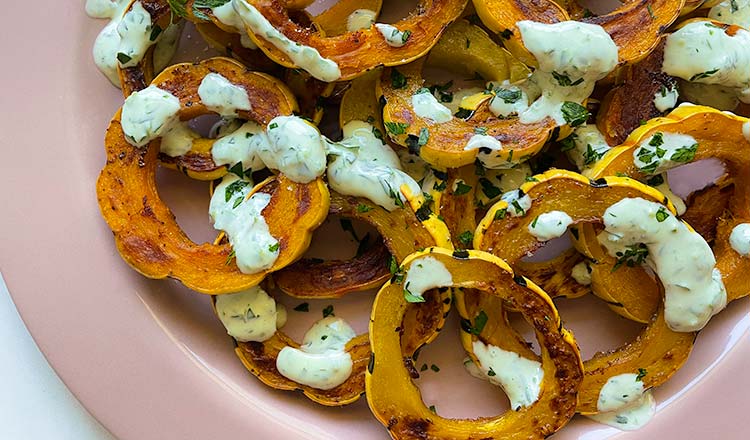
[{"x": 149, "y": 360}]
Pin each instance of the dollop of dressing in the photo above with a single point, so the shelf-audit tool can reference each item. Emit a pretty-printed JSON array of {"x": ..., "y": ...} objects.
[
  {"x": 581, "y": 273},
  {"x": 586, "y": 146},
  {"x": 219, "y": 95},
  {"x": 360, "y": 19},
  {"x": 241, "y": 146},
  {"x": 520, "y": 378},
  {"x": 666, "y": 98},
  {"x": 509, "y": 100},
  {"x": 624, "y": 404},
  {"x": 663, "y": 151},
  {"x": 518, "y": 202},
  {"x": 147, "y": 114},
  {"x": 229, "y": 18},
  {"x": 135, "y": 35},
  {"x": 364, "y": 166},
  {"x": 739, "y": 239},
  {"x": 250, "y": 315},
  {"x": 703, "y": 52},
  {"x": 295, "y": 148},
  {"x": 321, "y": 361},
  {"x": 488, "y": 147},
  {"x": 572, "y": 56},
  {"x": 255, "y": 249},
  {"x": 392, "y": 35},
  {"x": 306, "y": 57},
  {"x": 732, "y": 12},
  {"x": 427, "y": 106},
  {"x": 426, "y": 273},
  {"x": 550, "y": 225},
  {"x": 177, "y": 139},
  {"x": 681, "y": 258}
]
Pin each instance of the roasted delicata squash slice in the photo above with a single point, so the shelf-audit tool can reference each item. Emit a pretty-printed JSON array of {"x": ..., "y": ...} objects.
[
  {"x": 403, "y": 231},
  {"x": 554, "y": 200},
  {"x": 185, "y": 150},
  {"x": 635, "y": 26},
  {"x": 336, "y": 19},
  {"x": 395, "y": 399},
  {"x": 446, "y": 137},
  {"x": 150, "y": 240},
  {"x": 690, "y": 134},
  {"x": 346, "y": 56}
]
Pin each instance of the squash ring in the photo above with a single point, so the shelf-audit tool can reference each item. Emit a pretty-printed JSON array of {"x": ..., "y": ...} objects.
[
  {"x": 635, "y": 26},
  {"x": 658, "y": 349},
  {"x": 721, "y": 136},
  {"x": 395, "y": 399}
]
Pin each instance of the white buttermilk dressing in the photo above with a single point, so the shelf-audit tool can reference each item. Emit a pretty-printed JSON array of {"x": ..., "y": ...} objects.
[
  {"x": 103, "y": 8},
  {"x": 520, "y": 378},
  {"x": 392, "y": 35},
  {"x": 219, "y": 95},
  {"x": 732, "y": 12},
  {"x": 681, "y": 258},
  {"x": 321, "y": 361},
  {"x": 518, "y": 202},
  {"x": 166, "y": 46},
  {"x": 488, "y": 154},
  {"x": 739, "y": 239},
  {"x": 305, "y": 57},
  {"x": 702, "y": 52},
  {"x": 509, "y": 100},
  {"x": 588, "y": 146},
  {"x": 624, "y": 404},
  {"x": 108, "y": 40},
  {"x": 250, "y": 315},
  {"x": 425, "y": 105},
  {"x": 746, "y": 131},
  {"x": 581, "y": 273},
  {"x": 364, "y": 166},
  {"x": 663, "y": 151},
  {"x": 255, "y": 249},
  {"x": 229, "y": 18},
  {"x": 147, "y": 114},
  {"x": 666, "y": 98},
  {"x": 550, "y": 225},
  {"x": 295, "y": 148},
  {"x": 241, "y": 145},
  {"x": 177, "y": 139},
  {"x": 360, "y": 19},
  {"x": 135, "y": 35},
  {"x": 426, "y": 273},
  {"x": 572, "y": 56}
]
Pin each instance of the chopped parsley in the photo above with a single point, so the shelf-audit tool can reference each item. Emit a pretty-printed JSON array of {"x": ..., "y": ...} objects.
[
  {"x": 634, "y": 254},
  {"x": 274, "y": 247},
  {"x": 410, "y": 297},
  {"x": 480, "y": 130},
  {"x": 508, "y": 96},
  {"x": 396, "y": 128},
  {"x": 434, "y": 368},
  {"x": 328, "y": 311},
  {"x": 347, "y": 226},
  {"x": 363, "y": 208},
  {"x": 123, "y": 58},
  {"x": 466, "y": 238},
  {"x": 489, "y": 190},
  {"x": 703, "y": 75},
  {"x": 405, "y": 36},
  {"x": 398, "y": 80},
  {"x": 641, "y": 374},
  {"x": 574, "y": 114},
  {"x": 234, "y": 187},
  {"x": 303, "y": 307},
  {"x": 684, "y": 154},
  {"x": 479, "y": 322},
  {"x": 491, "y": 372},
  {"x": 461, "y": 188},
  {"x": 564, "y": 80},
  {"x": 662, "y": 214},
  {"x": 230, "y": 257},
  {"x": 500, "y": 213}
]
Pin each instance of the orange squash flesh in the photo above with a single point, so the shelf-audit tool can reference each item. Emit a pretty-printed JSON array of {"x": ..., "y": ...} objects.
[
  {"x": 268, "y": 96},
  {"x": 635, "y": 26},
  {"x": 394, "y": 398},
  {"x": 362, "y": 50},
  {"x": 658, "y": 349},
  {"x": 719, "y": 136}
]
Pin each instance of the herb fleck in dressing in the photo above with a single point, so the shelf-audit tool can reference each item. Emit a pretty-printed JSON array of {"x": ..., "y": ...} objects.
[
  {"x": 221, "y": 96},
  {"x": 295, "y": 147},
  {"x": 681, "y": 258},
  {"x": 364, "y": 166},
  {"x": 624, "y": 404},
  {"x": 520, "y": 378},
  {"x": 663, "y": 151},
  {"x": 255, "y": 249},
  {"x": 425, "y": 273},
  {"x": 241, "y": 146},
  {"x": 250, "y": 315},
  {"x": 585, "y": 146},
  {"x": 518, "y": 202},
  {"x": 135, "y": 30},
  {"x": 393, "y": 36},
  {"x": 509, "y": 100},
  {"x": 739, "y": 239},
  {"x": 360, "y": 19},
  {"x": 572, "y": 56},
  {"x": 550, "y": 225},
  {"x": 321, "y": 361},
  {"x": 427, "y": 106},
  {"x": 666, "y": 98},
  {"x": 735, "y": 12},
  {"x": 305, "y": 57},
  {"x": 488, "y": 154}
]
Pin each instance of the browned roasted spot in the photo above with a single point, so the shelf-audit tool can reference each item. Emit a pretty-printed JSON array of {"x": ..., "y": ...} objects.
[
  {"x": 409, "y": 364},
  {"x": 416, "y": 428},
  {"x": 303, "y": 200},
  {"x": 147, "y": 211},
  {"x": 144, "y": 249},
  {"x": 198, "y": 162},
  {"x": 258, "y": 354}
]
